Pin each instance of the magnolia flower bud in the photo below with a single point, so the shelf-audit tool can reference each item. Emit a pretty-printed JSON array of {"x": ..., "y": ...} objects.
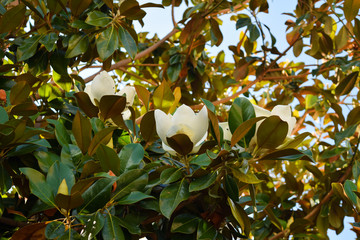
[
  {"x": 184, "y": 121},
  {"x": 103, "y": 84}
]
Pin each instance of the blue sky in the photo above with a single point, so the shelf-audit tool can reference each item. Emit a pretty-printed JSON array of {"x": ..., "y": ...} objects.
[{"x": 159, "y": 21}]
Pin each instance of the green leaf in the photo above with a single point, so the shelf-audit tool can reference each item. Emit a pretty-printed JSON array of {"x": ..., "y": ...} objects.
[
  {"x": 54, "y": 230},
  {"x": 130, "y": 181},
  {"x": 78, "y": 44},
  {"x": 231, "y": 188},
  {"x": 28, "y": 48},
  {"x": 241, "y": 216},
  {"x": 202, "y": 182},
  {"x": 129, "y": 223},
  {"x": 49, "y": 41},
  {"x": 97, "y": 195},
  {"x": 109, "y": 160},
  {"x": 254, "y": 32},
  {"x": 163, "y": 98},
  {"x": 272, "y": 132},
  {"x": 60, "y": 132},
  {"x": 12, "y": 18},
  {"x": 93, "y": 224},
  {"x": 288, "y": 154},
  {"x": 101, "y": 137},
  {"x": 339, "y": 191},
  {"x": 111, "y": 106},
  {"x": 128, "y": 42},
  {"x": 63, "y": 81},
  {"x": 185, "y": 223},
  {"x": 206, "y": 231},
  {"x": 38, "y": 186},
  {"x": 349, "y": 188},
  {"x": 79, "y": 6},
  {"x": 243, "y": 22},
  {"x": 97, "y": 18},
  {"x": 4, "y": 117},
  {"x": 243, "y": 129},
  {"x": 347, "y": 84},
  {"x": 341, "y": 38},
  {"x": 107, "y": 42},
  {"x": 249, "y": 178},
  {"x": 172, "y": 195},
  {"x": 351, "y": 9},
  {"x": 81, "y": 128},
  {"x": 112, "y": 229},
  {"x": 173, "y": 71},
  {"x": 348, "y": 132},
  {"x": 19, "y": 92},
  {"x": 46, "y": 159},
  {"x": 133, "y": 197},
  {"x": 240, "y": 111},
  {"x": 130, "y": 156},
  {"x": 171, "y": 175},
  {"x": 57, "y": 172}
]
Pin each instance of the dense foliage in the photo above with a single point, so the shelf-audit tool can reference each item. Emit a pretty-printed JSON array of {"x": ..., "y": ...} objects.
[{"x": 124, "y": 156}]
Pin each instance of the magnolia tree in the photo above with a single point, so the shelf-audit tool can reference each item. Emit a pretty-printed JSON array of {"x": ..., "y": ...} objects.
[{"x": 165, "y": 141}]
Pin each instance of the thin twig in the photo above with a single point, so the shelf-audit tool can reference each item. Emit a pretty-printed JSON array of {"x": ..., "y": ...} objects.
[{"x": 173, "y": 13}]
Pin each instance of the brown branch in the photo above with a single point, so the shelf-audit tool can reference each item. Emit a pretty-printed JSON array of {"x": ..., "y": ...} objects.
[
  {"x": 326, "y": 199},
  {"x": 138, "y": 77},
  {"x": 247, "y": 87},
  {"x": 12, "y": 222},
  {"x": 236, "y": 8},
  {"x": 286, "y": 77},
  {"x": 173, "y": 13},
  {"x": 142, "y": 54}
]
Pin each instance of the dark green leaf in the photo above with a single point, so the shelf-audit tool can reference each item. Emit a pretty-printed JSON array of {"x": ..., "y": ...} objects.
[
  {"x": 347, "y": 84},
  {"x": 57, "y": 173},
  {"x": 112, "y": 228},
  {"x": 185, "y": 223},
  {"x": 107, "y": 42},
  {"x": 133, "y": 197},
  {"x": 60, "y": 132},
  {"x": 46, "y": 159},
  {"x": 97, "y": 18},
  {"x": 348, "y": 132},
  {"x": 78, "y": 44},
  {"x": 128, "y": 42},
  {"x": 28, "y": 48},
  {"x": 241, "y": 217},
  {"x": 12, "y": 18},
  {"x": 271, "y": 132},
  {"x": 203, "y": 182},
  {"x": 130, "y": 181},
  {"x": 171, "y": 175},
  {"x": 172, "y": 195},
  {"x": 54, "y": 230},
  {"x": 206, "y": 231},
  {"x": 109, "y": 160},
  {"x": 49, "y": 41},
  {"x": 101, "y": 137},
  {"x": 243, "y": 22}
]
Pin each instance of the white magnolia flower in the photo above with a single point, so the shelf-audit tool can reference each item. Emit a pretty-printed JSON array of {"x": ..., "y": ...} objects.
[
  {"x": 103, "y": 84},
  {"x": 282, "y": 111},
  {"x": 184, "y": 121},
  {"x": 226, "y": 131}
]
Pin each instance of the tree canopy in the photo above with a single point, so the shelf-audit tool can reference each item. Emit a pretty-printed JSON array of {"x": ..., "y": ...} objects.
[{"x": 166, "y": 141}]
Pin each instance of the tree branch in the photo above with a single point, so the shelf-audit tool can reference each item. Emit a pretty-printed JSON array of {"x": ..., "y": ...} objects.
[{"x": 142, "y": 54}]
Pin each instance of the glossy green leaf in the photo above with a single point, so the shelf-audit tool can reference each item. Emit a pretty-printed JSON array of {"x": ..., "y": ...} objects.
[
  {"x": 271, "y": 132},
  {"x": 60, "y": 132},
  {"x": 241, "y": 217},
  {"x": 4, "y": 117},
  {"x": 112, "y": 228},
  {"x": 107, "y": 42},
  {"x": 202, "y": 182},
  {"x": 171, "y": 175},
  {"x": 109, "y": 160},
  {"x": 249, "y": 178},
  {"x": 79, "y": 6},
  {"x": 128, "y": 42},
  {"x": 172, "y": 196},
  {"x": 243, "y": 129},
  {"x": 231, "y": 188},
  {"x": 205, "y": 231},
  {"x": 349, "y": 188},
  {"x": 19, "y": 92},
  {"x": 39, "y": 186},
  {"x": 57, "y": 172},
  {"x": 240, "y": 111},
  {"x": 78, "y": 44},
  {"x": 97, "y": 195},
  {"x": 243, "y": 22},
  {"x": 130, "y": 181},
  {"x": 49, "y": 41},
  {"x": 101, "y": 137},
  {"x": 86, "y": 105},
  {"x": 254, "y": 32},
  {"x": 348, "y": 132},
  {"x": 133, "y": 197},
  {"x": 54, "y": 229},
  {"x": 12, "y": 18},
  {"x": 185, "y": 223},
  {"x": 97, "y": 18},
  {"x": 130, "y": 156},
  {"x": 93, "y": 224},
  {"x": 28, "y": 48},
  {"x": 46, "y": 159}
]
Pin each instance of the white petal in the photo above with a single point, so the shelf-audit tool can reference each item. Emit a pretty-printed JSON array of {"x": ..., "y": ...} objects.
[
  {"x": 103, "y": 84},
  {"x": 261, "y": 112},
  {"x": 126, "y": 114},
  {"x": 89, "y": 92},
  {"x": 130, "y": 94},
  {"x": 163, "y": 122},
  {"x": 284, "y": 112},
  {"x": 226, "y": 130},
  {"x": 200, "y": 125},
  {"x": 183, "y": 115},
  {"x": 168, "y": 149}
]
